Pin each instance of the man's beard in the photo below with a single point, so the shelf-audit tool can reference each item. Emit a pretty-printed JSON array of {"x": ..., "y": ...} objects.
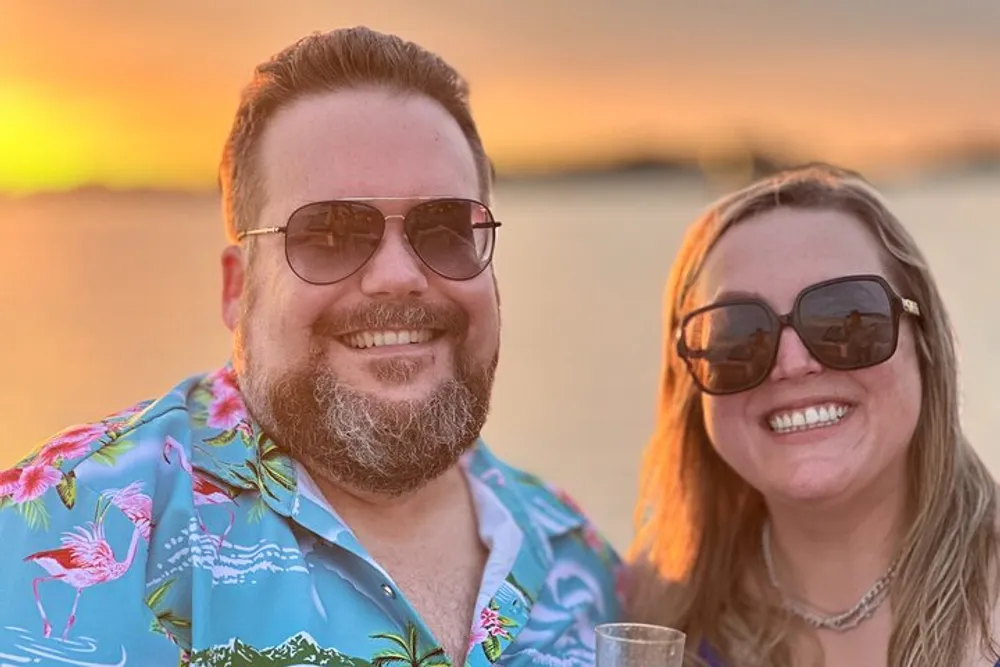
[{"x": 356, "y": 438}]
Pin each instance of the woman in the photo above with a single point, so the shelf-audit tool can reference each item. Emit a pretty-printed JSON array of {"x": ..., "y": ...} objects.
[{"x": 808, "y": 497}]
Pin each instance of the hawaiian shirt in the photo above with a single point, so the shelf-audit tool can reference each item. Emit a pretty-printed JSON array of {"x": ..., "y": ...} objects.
[{"x": 177, "y": 533}]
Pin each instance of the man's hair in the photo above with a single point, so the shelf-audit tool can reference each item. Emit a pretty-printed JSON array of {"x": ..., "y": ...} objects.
[{"x": 326, "y": 62}]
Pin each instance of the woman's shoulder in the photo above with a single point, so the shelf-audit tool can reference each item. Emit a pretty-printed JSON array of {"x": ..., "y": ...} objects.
[
  {"x": 994, "y": 581},
  {"x": 653, "y": 598},
  {"x": 649, "y": 597}
]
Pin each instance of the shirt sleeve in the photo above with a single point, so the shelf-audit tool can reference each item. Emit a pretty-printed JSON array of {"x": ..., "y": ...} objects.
[{"x": 72, "y": 572}]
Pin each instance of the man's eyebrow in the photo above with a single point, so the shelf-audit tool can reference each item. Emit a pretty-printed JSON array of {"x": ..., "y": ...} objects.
[{"x": 731, "y": 294}]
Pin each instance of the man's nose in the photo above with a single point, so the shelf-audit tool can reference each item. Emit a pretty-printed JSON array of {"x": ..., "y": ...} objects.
[{"x": 394, "y": 271}]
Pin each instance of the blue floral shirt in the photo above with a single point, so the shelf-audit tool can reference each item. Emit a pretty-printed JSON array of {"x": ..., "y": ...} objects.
[{"x": 177, "y": 533}]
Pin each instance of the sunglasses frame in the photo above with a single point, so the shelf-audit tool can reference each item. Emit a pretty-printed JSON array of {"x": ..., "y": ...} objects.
[
  {"x": 900, "y": 305},
  {"x": 492, "y": 224}
]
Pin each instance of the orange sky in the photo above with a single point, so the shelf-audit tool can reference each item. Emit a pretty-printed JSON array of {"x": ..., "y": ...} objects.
[{"x": 141, "y": 94}]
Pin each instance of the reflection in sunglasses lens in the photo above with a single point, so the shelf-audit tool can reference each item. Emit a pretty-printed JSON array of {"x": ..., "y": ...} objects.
[
  {"x": 848, "y": 325},
  {"x": 329, "y": 241},
  {"x": 731, "y": 345}
]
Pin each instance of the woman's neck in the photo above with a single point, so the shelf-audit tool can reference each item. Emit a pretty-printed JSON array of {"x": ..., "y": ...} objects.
[{"x": 828, "y": 556}]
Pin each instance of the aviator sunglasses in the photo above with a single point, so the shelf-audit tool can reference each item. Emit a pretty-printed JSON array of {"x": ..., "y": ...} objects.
[
  {"x": 329, "y": 241},
  {"x": 846, "y": 324}
]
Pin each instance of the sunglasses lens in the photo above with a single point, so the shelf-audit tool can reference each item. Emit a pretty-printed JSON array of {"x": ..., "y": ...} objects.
[
  {"x": 730, "y": 347},
  {"x": 453, "y": 237},
  {"x": 328, "y": 241},
  {"x": 850, "y": 324}
]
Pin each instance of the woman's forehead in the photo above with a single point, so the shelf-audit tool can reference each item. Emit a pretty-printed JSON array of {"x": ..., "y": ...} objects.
[{"x": 777, "y": 253}]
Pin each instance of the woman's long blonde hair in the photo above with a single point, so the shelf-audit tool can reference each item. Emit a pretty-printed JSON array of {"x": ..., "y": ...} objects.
[{"x": 699, "y": 524}]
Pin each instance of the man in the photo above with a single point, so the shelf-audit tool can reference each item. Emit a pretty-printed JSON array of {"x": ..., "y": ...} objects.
[{"x": 324, "y": 498}]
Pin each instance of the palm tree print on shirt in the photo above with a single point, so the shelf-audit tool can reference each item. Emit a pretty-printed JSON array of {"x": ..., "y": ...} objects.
[{"x": 406, "y": 651}]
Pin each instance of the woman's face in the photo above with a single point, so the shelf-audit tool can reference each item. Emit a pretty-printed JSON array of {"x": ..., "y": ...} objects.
[{"x": 809, "y": 433}]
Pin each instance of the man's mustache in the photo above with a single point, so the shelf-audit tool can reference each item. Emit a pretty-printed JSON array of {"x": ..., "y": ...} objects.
[{"x": 446, "y": 318}]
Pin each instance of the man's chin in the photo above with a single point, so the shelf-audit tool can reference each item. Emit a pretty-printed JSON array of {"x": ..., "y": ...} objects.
[
  {"x": 389, "y": 393},
  {"x": 393, "y": 480},
  {"x": 394, "y": 381}
]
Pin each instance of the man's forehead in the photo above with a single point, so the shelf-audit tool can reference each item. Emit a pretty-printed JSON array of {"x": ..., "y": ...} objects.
[{"x": 346, "y": 144}]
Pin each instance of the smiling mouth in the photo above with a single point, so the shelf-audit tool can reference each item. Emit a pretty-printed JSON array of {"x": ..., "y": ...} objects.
[
  {"x": 362, "y": 340},
  {"x": 808, "y": 418}
]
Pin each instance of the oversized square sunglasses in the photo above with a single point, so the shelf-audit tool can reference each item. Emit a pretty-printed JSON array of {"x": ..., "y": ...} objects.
[{"x": 846, "y": 323}]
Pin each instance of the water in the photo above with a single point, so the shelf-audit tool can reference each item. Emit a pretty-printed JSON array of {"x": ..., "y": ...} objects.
[
  {"x": 33, "y": 647},
  {"x": 106, "y": 299}
]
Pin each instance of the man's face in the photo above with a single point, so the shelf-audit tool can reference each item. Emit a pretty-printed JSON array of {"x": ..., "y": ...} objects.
[{"x": 379, "y": 418}]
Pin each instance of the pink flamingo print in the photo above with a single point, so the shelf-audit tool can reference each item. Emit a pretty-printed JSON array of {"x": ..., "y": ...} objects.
[
  {"x": 206, "y": 491},
  {"x": 135, "y": 505},
  {"x": 84, "y": 560}
]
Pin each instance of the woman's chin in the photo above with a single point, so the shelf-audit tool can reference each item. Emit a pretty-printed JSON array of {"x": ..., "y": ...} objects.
[{"x": 819, "y": 483}]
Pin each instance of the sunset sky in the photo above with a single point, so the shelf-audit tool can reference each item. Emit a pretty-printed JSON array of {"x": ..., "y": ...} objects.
[{"x": 140, "y": 94}]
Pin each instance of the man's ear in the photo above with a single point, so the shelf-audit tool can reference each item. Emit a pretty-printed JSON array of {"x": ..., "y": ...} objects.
[{"x": 233, "y": 283}]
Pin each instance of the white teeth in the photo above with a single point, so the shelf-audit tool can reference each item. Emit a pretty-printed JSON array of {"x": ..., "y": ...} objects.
[
  {"x": 366, "y": 339},
  {"x": 815, "y": 416}
]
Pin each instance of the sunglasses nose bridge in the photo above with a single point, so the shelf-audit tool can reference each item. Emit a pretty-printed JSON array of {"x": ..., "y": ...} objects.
[
  {"x": 394, "y": 266},
  {"x": 402, "y": 233},
  {"x": 398, "y": 230},
  {"x": 792, "y": 357}
]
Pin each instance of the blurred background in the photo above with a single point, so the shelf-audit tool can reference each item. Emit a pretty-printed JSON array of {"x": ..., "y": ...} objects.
[{"x": 612, "y": 125}]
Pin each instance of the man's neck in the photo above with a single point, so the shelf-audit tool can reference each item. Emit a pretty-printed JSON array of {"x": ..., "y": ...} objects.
[
  {"x": 429, "y": 543},
  {"x": 829, "y": 557},
  {"x": 378, "y": 513}
]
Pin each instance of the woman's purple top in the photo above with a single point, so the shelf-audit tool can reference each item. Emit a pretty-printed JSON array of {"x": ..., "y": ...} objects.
[{"x": 706, "y": 653}]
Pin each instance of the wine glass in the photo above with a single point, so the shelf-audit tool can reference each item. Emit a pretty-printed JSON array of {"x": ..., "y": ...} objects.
[{"x": 639, "y": 645}]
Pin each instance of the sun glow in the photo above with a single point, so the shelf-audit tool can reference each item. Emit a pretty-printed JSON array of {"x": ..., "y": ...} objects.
[
  {"x": 51, "y": 141},
  {"x": 44, "y": 143}
]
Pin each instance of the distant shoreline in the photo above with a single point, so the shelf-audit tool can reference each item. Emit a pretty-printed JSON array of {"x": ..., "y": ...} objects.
[{"x": 739, "y": 166}]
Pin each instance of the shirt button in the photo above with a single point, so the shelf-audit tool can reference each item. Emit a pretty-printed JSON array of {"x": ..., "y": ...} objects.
[{"x": 389, "y": 593}]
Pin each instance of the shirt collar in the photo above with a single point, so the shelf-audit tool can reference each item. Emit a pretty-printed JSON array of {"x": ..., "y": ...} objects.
[
  {"x": 228, "y": 444},
  {"x": 231, "y": 446}
]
